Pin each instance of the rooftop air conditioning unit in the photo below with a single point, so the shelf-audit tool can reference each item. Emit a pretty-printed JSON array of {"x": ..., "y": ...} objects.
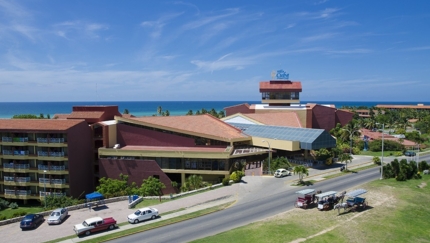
[{"x": 117, "y": 146}]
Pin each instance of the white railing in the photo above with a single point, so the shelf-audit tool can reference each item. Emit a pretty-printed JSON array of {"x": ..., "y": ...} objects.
[
  {"x": 17, "y": 192},
  {"x": 16, "y": 166},
  {"x": 51, "y": 154},
  {"x": 58, "y": 194},
  {"x": 16, "y": 152},
  {"x": 6, "y": 139},
  {"x": 43, "y": 180},
  {"x": 58, "y": 181},
  {"x": 52, "y": 167},
  {"x": 50, "y": 140},
  {"x": 9, "y": 178}
]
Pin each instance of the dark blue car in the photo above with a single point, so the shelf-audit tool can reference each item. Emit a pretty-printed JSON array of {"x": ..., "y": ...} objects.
[{"x": 31, "y": 221}]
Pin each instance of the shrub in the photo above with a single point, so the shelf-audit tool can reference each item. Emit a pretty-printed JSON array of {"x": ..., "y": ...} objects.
[
  {"x": 376, "y": 145},
  {"x": 237, "y": 176},
  {"x": 2, "y": 217},
  {"x": 13, "y": 205},
  {"x": 18, "y": 214},
  {"x": 3, "y": 203},
  {"x": 225, "y": 181},
  {"x": 376, "y": 160}
]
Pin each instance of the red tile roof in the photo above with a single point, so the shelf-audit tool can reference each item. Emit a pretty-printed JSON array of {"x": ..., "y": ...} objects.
[
  {"x": 197, "y": 124},
  {"x": 38, "y": 124},
  {"x": 287, "y": 119},
  {"x": 281, "y": 85},
  {"x": 378, "y": 135},
  {"x": 60, "y": 116}
]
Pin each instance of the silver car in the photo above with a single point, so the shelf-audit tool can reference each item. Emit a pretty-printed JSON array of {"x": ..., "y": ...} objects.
[{"x": 57, "y": 216}]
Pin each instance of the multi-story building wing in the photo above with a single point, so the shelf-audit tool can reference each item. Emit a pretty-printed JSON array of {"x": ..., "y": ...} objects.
[{"x": 41, "y": 157}]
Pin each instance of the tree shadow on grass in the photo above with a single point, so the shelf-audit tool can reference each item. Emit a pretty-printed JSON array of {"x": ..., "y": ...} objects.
[{"x": 303, "y": 183}]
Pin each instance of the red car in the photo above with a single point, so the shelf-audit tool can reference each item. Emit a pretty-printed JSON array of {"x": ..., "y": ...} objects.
[{"x": 95, "y": 224}]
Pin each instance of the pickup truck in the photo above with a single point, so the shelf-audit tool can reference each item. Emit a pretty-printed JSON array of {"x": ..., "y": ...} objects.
[{"x": 95, "y": 224}]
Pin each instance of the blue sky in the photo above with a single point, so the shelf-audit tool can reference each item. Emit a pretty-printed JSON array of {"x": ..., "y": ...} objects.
[{"x": 99, "y": 50}]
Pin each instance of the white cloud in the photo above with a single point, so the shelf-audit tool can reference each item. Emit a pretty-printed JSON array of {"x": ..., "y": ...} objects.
[{"x": 79, "y": 29}]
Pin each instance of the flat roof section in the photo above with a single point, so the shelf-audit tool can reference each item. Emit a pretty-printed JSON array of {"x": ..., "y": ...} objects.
[{"x": 38, "y": 124}]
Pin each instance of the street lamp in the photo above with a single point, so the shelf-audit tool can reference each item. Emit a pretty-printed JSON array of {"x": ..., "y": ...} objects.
[
  {"x": 269, "y": 155},
  {"x": 382, "y": 156},
  {"x": 44, "y": 184}
]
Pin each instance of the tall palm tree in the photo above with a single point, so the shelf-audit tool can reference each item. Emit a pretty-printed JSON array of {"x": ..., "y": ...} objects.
[
  {"x": 347, "y": 158},
  {"x": 159, "y": 110},
  {"x": 301, "y": 171}
]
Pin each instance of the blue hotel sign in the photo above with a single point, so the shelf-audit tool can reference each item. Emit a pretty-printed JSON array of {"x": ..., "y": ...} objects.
[{"x": 280, "y": 74}]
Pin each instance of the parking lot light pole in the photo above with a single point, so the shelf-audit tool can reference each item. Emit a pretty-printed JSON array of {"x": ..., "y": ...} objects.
[
  {"x": 270, "y": 151},
  {"x": 382, "y": 155},
  {"x": 44, "y": 184}
]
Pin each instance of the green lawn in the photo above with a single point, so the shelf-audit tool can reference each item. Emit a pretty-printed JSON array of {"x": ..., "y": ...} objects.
[
  {"x": 386, "y": 153},
  {"x": 397, "y": 212},
  {"x": 8, "y": 212}
]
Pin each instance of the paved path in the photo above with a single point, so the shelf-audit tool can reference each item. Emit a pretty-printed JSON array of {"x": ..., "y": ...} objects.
[{"x": 239, "y": 193}]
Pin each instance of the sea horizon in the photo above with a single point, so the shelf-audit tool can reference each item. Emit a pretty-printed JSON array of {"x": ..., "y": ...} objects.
[{"x": 149, "y": 108}]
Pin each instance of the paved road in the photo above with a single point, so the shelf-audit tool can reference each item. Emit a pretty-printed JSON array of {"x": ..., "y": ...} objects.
[
  {"x": 119, "y": 210},
  {"x": 278, "y": 200}
]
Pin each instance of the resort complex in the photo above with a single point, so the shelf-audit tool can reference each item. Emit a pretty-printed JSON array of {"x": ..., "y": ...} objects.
[{"x": 67, "y": 155}]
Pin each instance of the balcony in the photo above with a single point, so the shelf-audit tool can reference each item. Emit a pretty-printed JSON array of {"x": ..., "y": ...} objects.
[
  {"x": 17, "y": 181},
  {"x": 53, "y": 169},
  {"x": 14, "y": 140},
  {"x": 18, "y": 194},
  {"x": 50, "y": 140},
  {"x": 12, "y": 167},
  {"x": 57, "y": 194},
  {"x": 53, "y": 183},
  {"x": 15, "y": 152},
  {"x": 50, "y": 154}
]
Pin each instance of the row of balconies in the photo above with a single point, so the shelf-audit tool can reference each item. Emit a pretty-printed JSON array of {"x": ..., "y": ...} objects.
[
  {"x": 26, "y": 153},
  {"x": 28, "y": 179},
  {"x": 25, "y": 139},
  {"x": 25, "y": 167},
  {"x": 25, "y": 193}
]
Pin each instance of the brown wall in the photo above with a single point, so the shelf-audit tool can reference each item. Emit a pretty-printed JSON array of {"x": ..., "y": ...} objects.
[
  {"x": 129, "y": 135},
  {"x": 137, "y": 170},
  {"x": 242, "y": 108},
  {"x": 343, "y": 117},
  {"x": 80, "y": 156},
  {"x": 323, "y": 117}
]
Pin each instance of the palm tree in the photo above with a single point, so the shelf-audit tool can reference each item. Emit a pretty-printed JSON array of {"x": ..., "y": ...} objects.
[
  {"x": 126, "y": 111},
  {"x": 347, "y": 158},
  {"x": 301, "y": 171},
  {"x": 195, "y": 182},
  {"x": 159, "y": 110}
]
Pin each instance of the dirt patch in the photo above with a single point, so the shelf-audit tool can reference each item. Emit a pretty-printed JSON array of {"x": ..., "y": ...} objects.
[{"x": 422, "y": 185}]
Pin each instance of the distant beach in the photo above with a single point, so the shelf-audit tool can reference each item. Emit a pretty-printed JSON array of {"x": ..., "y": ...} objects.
[{"x": 149, "y": 108}]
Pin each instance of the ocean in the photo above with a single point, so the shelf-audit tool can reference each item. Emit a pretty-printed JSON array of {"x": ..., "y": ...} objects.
[{"x": 149, "y": 108}]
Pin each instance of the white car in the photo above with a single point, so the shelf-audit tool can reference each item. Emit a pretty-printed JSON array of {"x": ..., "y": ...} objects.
[
  {"x": 282, "y": 173},
  {"x": 57, "y": 216},
  {"x": 142, "y": 214}
]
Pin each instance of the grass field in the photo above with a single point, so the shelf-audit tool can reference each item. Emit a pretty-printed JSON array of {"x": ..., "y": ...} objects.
[
  {"x": 8, "y": 212},
  {"x": 397, "y": 212}
]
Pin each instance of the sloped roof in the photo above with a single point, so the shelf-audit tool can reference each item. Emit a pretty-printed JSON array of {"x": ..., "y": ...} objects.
[
  {"x": 309, "y": 138},
  {"x": 38, "y": 124},
  {"x": 197, "y": 124},
  {"x": 280, "y": 85},
  {"x": 60, "y": 116},
  {"x": 287, "y": 119}
]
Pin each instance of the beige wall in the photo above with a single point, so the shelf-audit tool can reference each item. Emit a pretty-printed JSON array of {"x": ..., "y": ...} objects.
[
  {"x": 276, "y": 144},
  {"x": 112, "y": 135}
]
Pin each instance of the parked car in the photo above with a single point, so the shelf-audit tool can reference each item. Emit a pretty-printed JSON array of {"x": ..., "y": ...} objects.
[
  {"x": 410, "y": 153},
  {"x": 142, "y": 214},
  {"x": 31, "y": 221},
  {"x": 95, "y": 224},
  {"x": 57, "y": 216},
  {"x": 282, "y": 173}
]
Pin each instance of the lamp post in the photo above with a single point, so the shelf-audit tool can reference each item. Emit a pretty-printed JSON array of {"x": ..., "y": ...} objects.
[
  {"x": 382, "y": 155},
  {"x": 270, "y": 172},
  {"x": 44, "y": 185}
]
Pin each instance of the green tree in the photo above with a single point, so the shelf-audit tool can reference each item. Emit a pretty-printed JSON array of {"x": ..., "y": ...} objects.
[
  {"x": 152, "y": 187},
  {"x": 195, "y": 182},
  {"x": 301, "y": 171},
  {"x": 190, "y": 113},
  {"x": 113, "y": 187},
  {"x": 126, "y": 111},
  {"x": 159, "y": 110},
  {"x": 347, "y": 158}
]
